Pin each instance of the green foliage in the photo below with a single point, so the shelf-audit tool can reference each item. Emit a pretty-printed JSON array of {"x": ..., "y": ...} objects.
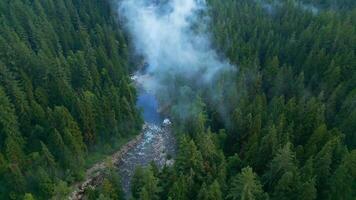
[
  {"x": 61, "y": 191},
  {"x": 286, "y": 115},
  {"x": 64, "y": 91},
  {"x": 109, "y": 189},
  {"x": 246, "y": 186},
  {"x": 28, "y": 196},
  {"x": 145, "y": 184},
  {"x": 343, "y": 184}
]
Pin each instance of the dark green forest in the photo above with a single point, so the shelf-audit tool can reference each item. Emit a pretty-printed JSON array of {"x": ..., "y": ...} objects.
[
  {"x": 287, "y": 131},
  {"x": 64, "y": 92}
]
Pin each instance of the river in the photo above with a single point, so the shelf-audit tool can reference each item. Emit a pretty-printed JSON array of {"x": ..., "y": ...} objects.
[{"x": 158, "y": 143}]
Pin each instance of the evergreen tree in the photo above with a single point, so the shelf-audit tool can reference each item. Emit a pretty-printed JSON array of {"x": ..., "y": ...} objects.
[
  {"x": 246, "y": 186},
  {"x": 51, "y": 91},
  {"x": 28, "y": 196}
]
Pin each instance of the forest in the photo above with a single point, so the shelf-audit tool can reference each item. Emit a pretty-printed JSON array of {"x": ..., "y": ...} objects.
[
  {"x": 64, "y": 93},
  {"x": 286, "y": 130}
]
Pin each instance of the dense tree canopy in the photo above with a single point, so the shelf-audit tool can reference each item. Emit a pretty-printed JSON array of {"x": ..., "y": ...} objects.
[
  {"x": 64, "y": 90},
  {"x": 288, "y": 127},
  {"x": 281, "y": 126}
]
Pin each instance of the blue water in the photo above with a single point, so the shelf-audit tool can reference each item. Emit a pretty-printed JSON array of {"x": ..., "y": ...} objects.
[
  {"x": 148, "y": 104},
  {"x": 156, "y": 144}
]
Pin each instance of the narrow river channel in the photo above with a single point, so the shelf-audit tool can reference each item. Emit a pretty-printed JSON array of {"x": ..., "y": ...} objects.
[{"x": 158, "y": 143}]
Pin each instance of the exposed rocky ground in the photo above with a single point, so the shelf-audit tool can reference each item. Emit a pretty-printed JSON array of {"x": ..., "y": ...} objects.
[
  {"x": 157, "y": 143},
  {"x": 95, "y": 175}
]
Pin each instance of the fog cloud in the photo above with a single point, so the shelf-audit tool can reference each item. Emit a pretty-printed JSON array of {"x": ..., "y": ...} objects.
[{"x": 172, "y": 37}]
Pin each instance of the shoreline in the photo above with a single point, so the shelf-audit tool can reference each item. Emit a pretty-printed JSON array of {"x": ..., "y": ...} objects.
[{"x": 95, "y": 174}]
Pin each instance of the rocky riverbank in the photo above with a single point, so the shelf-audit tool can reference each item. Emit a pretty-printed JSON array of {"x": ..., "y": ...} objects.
[
  {"x": 158, "y": 146},
  {"x": 155, "y": 143},
  {"x": 95, "y": 175}
]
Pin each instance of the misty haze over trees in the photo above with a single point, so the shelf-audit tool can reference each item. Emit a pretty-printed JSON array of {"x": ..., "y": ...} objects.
[{"x": 262, "y": 96}]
